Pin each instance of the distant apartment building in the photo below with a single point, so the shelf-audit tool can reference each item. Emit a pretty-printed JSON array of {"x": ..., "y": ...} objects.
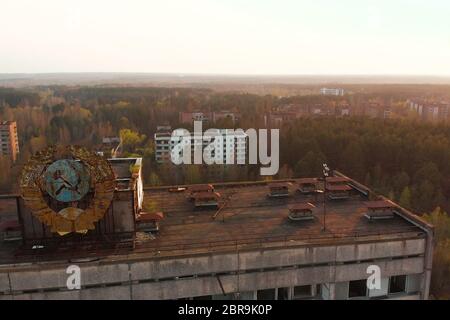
[
  {"x": 9, "y": 141},
  {"x": 332, "y": 92},
  {"x": 343, "y": 109},
  {"x": 223, "y": 115},
  {"x": 430, "y": 110},
  {"x": 228, "y": 145},
  {"x": 162, "y": 139},
  {"x": 111, "y": 147},
  {"x": 317, "y": 110},
  {"x": 377, "y": 110},
  {"x": 287, "y": 113},
  {"x": 190, "y": 117},
  {"x": 278, "y": 119}
]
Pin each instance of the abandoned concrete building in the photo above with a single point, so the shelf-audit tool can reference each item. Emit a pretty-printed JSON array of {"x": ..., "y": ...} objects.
[{"x": 160, "y": 243}]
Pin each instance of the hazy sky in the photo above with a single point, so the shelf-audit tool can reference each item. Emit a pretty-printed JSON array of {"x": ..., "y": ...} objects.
[{"x": 226, "y": 36}]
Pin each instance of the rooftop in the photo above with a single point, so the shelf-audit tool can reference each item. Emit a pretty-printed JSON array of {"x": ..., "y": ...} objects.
[
  {"x": 337, "y": 179},
  {"x": 248, "y": 219},
  {"x": 380, "y": 204},
  {"x": 250, "y": 214},
  {"x": 307, "y": 181},
  {"x": 7, "y": 122}
]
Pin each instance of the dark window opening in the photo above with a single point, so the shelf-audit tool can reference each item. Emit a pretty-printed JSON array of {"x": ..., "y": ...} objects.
[
  {"x": 302, "y": 292},
  {"x": 267, "y": 294},
  {"x": 397, "y": 284},
  {"x": 318, "y": 290},
  {"x": 283, "y": 293},
  {"x": 357, "y": 289}
]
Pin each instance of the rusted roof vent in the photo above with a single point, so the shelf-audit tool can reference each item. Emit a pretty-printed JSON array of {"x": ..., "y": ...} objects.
[
  {"x": 200, "y": 188},
  {"x": 206, "y": 199},
  {"x": 301, "y": 211},
  {"x": 307, "y": 185},
  {"x": 338, "y": 188},
  {"x": 177, "y": 189},
  {"x": 11, "y": 230},
  {"x": 280, "y": 189},
  {"x": 149, "y": 222},
  {"x": 337, "y": 180},
  {"x": 380, "y": 209}
]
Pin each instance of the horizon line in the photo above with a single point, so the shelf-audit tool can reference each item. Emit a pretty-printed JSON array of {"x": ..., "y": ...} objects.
[{"x": 231, "y": 74}]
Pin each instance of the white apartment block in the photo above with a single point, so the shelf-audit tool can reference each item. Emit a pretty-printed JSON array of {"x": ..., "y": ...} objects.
[
  {"x": 332, "y": 92},
  {"x": 221, "y": 146}
]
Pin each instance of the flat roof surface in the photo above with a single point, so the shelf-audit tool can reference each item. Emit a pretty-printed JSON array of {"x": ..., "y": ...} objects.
[
  {"x": 307, "y": 181},
  {"x": 247, "y": 216},
  {"x": 380, "y": 204},
  {"x": 337, "y": 179},
  {"x": 339, "y": 187},
  {"x": 302, "y": 206},
  {"x": 248, "y": 219}
]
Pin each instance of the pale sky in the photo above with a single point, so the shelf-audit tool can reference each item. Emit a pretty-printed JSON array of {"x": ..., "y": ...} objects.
[{"x": 226, "y": 36}]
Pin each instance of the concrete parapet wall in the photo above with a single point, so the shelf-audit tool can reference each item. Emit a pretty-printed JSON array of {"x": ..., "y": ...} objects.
[
  {"x": 173, "y": 289},
  {"x": 169, "y": 278}
]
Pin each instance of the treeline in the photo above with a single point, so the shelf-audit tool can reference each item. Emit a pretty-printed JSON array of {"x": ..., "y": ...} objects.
[
  {"x": 15, "y": 98},
  {"x": 405, "y": 160}
]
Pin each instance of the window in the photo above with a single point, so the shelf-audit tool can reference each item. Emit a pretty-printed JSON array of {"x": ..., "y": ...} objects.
[
  {"x": 397, "y": 284},
  {"x": 283, "y": 293},
  {"x": 357, "y": 289},
  {"x": 383, "y": 291},
  {"x": 267, "y": 294},
  {"x": 302, "y": 292}
]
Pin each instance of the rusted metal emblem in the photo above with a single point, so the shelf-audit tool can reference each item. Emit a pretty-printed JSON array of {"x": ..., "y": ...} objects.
[{"x": 68, "y": 175}]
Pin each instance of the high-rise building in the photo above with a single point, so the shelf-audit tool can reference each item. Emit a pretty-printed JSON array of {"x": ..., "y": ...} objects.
[
  {"x": 162, "y": 144},
  {"x": 227, "y": 145},
  {"x": 9, "y": 141}
]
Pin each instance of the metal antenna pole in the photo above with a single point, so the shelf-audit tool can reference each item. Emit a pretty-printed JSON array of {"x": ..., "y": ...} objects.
[
  {"x": 324, "y": 228},
  {"x": 325, "y": 171}
]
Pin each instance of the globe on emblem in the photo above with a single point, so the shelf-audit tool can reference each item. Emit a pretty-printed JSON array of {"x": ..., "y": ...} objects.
[{"x": 67, "y": 180}]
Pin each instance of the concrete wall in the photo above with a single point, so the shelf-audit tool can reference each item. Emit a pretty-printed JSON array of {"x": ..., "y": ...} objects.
[{"x": 170, "y": 278}]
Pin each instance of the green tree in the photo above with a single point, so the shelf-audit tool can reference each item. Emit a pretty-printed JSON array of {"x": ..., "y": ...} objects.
[
  {"x": 401, "y": 181},
  {"x": 424, "y": 196},
  {"x": 193, "y": 174},
  {"x": 310, "y": 165},
  {"x": 131, "y": 140},
  {"x": 405, "y": 198},
  {"x": 440, "y": 278},
  {"x": 154, "y": 179},
  {"x": 5, "y": 166}
]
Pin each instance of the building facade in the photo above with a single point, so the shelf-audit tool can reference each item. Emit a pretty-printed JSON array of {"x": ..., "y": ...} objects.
[
  {"x": 9, "y": 141},
  {"x": 429, "y": 110},
  {"x": 223, "y": 146}
]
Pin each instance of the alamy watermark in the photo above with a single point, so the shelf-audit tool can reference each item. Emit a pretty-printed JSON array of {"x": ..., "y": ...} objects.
[
  {"x": 223, "y": 147},
  {"x": 374, "y": 280},
  {"x": 74, "y": 279}
]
